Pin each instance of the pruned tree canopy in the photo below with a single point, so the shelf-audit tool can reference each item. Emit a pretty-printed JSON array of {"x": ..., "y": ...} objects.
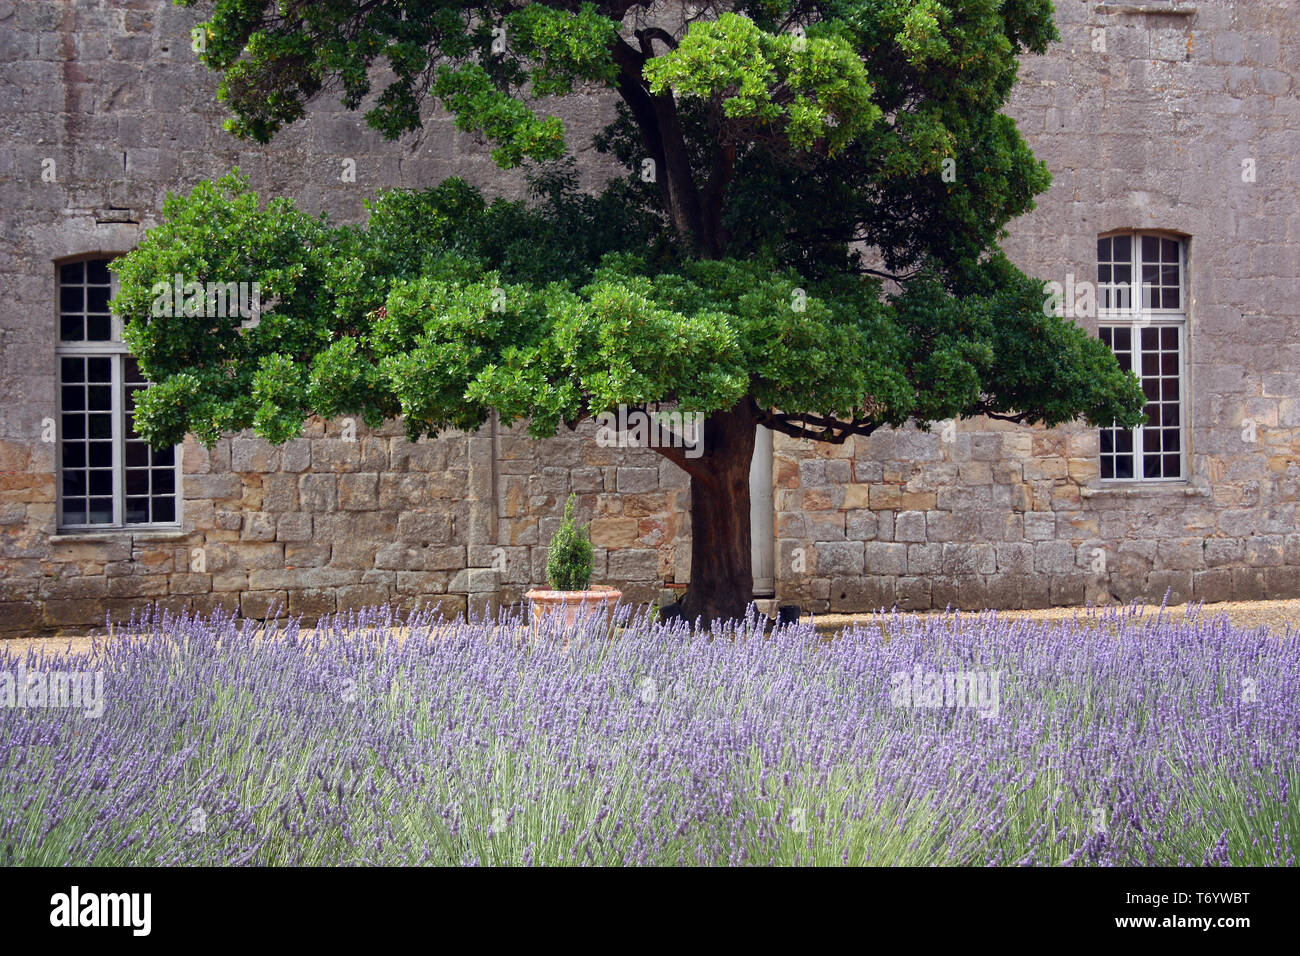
[{"x": 804, "y": 234}]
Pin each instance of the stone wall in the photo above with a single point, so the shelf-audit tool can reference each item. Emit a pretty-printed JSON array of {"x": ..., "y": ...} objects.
[
  {"x": 1146, "y": 113},
  {"x": 1149, "y": 116},
  {"x": 1009, "y": 517},
  {"x": 329, "y": 522}
]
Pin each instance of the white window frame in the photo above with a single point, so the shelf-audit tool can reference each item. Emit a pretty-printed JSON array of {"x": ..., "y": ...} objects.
[
  {"x": 1137, "y": 317},
  {"x": 116, "y": 351}
]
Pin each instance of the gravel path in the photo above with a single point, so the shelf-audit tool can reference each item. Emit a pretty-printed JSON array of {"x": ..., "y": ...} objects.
[{"x": 1277, "y": 616}]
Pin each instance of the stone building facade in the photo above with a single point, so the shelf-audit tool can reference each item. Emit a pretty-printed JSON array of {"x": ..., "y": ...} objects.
[{"x": 1173, "y": 134}]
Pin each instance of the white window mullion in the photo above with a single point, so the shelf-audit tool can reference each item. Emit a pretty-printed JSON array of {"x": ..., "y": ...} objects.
[
  {"x": 1135, "y": 288},
  {"x": 119, "y": 471},
  {"x": 1184, "y": 356},
  {"x": 1139, "y": 466}
]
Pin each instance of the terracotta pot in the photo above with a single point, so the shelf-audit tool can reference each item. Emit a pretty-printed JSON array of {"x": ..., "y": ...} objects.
[{"x": 573, "y": 606}]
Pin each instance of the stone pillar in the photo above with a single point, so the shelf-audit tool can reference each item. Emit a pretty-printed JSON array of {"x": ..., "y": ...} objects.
[{"x": 481, "y": 495}]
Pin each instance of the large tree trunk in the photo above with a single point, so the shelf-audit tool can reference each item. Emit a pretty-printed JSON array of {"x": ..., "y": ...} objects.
[{"x": 722, "y": 583}]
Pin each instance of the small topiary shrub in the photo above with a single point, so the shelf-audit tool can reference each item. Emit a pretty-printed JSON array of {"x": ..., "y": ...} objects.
[{"x": 568, "y": 557}]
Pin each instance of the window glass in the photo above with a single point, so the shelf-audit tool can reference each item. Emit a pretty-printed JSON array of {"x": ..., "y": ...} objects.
[
  {"x": 1150, "y": 343},
  {"x": 108, "y": 474}
]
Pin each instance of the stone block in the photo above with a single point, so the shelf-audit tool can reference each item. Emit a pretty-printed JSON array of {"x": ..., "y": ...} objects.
[
  {"x": 884, "y": 558},
  {"x": 261, "y": 605},
  {"x": 838, "y": 558},
  {"x": 318, "y": 493},
  {"x": 910, "y": 526}
]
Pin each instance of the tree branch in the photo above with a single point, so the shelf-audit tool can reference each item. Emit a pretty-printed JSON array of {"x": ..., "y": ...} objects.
[
  {"x": 814, "y": 427},
  {"x": 694, "y": 467},
  {"x": 656, "y": 117},
  {"x": 655, "y": 33}
]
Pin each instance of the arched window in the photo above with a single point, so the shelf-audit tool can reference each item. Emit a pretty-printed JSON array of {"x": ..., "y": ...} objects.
[
  {"x": 108, "y": 476},
  {"x": 1142, "y": 311}
]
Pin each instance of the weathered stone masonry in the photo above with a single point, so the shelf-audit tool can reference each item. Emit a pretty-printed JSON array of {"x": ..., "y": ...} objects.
[{"x": 1145, "y": 114}]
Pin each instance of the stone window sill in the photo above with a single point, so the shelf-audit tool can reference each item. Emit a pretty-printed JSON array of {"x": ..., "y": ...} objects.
[
  {"x": 1183, "y": 10},
  {"x": 111, "y": 534},
  {"x": 1146, "y": 490}
]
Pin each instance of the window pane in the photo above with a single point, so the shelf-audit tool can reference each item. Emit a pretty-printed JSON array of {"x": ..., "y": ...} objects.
[
  {"x": 72, "y": 272},
  {"x": 101, "y": 454},
  {"x": 99, "y": 328},
  {"x": 137, "y": 454},
  {"x": 97, "y": 272},
  {"x": 1150, "y": 249},
  {"x": 74, "y": 454},
  {"x": 99, "y": 369},
  {"x": 1123, "y": 249},
  {"x": 74, "y": 426},
  {"x": 97, "y": 299},
  {"x": 72, "y": 328},
  {"x": 1103, "y": 250},
  {"x": 1124, "y": 467},
  {"x": 137, "y": 481},
  {"x": 73, "y": 398}
]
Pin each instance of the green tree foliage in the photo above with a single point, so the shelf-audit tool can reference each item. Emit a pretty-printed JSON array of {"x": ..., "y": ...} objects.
[{"x": 784, "y": 249}]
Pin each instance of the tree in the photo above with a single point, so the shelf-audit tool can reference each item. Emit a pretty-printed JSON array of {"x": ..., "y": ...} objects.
[{"x": 806, "y": 236}]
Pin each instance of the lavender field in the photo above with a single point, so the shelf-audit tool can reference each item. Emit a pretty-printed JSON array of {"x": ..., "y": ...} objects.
[{"x": 1111, "y": 740}]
